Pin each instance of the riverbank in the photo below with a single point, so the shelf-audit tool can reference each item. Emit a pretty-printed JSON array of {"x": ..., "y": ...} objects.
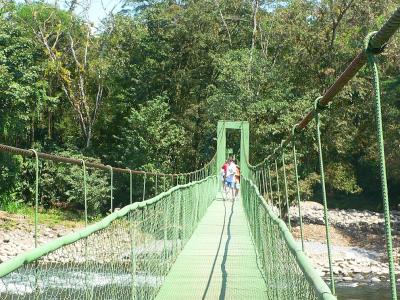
[
  {"x": 17, "y": 232},
  {"x": 358, "y": 242}
]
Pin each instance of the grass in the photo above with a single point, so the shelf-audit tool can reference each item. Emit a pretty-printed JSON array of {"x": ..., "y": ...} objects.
[{"x": 49, "y": 217}]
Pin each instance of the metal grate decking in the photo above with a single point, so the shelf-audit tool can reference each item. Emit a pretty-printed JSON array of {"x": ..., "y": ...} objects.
[{"x": 219, "y": 261}]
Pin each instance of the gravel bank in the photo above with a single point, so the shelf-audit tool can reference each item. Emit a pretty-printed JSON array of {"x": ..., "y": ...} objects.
[
  {"x": 359, "y": 252},
  {"x": 17, "y": 234}
]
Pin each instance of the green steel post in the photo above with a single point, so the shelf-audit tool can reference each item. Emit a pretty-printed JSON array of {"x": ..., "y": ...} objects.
[
  {"x": 278, "y": 188},
  {"x": 286, "y": 189},
  {"x": 131, "y": 233},
  {"x": 381, "y": 149},
  {"x": 156, "y": 184},
  {"x": 326, "y": 219},
  {"x": 37, "y": 293},
  {"x": 262, "y": 182},
  {"x": 87, "y": 294},
  {"x": 296, "y": 175},
  {"x": 36, "y": 195},
  {"x": 85, "y": 191},
  {"x": 265, "y": 183},
  {"x": 270, "y": 185},
  {"x": 144, "y": 187},
  {"x": 111, "y": 188},
  {"x": 130, "y": 187}
]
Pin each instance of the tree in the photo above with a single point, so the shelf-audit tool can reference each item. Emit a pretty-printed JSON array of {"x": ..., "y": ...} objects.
[{"x": 71, "y": 49}]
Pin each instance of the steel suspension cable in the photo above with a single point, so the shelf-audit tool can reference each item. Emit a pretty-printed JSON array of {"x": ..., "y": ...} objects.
[
  {"x": 318, "y": 108},
  {"x": 296, "y": 175},
  {"x": 144, "y": 187},
  {"x": 377, "y": 41},
  {"x": 132, "y": 242},
  {"x": 111, "y": 188},
  {"x": 371, "y": 52},
  {"x": 270, "y": 184},
  {"x": 286, "y": 188},
  {"x": 85, "y": 191},
  {"x": 156, "y": 187},
  {"x": 87, "y": 293},
  {"x": 278, "y": 188},
  {"x": 36, "y": 219}
]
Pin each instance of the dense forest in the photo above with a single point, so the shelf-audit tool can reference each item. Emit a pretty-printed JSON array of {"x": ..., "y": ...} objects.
[{"x": 146, "y": 87}]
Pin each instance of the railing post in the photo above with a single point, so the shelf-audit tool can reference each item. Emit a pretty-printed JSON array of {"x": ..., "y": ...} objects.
[
  {"x": 144, "y": 186},
  {"x": 156, "y": 184},
  {"x": 111, "y": 188},
  {"x": 131, "y": 233},
  {"x": 37, "y": 292},
  {"x": 278, "y": 188},
  {"x": 317, "y": 109},
  {"x": 270, "y": 185},
  {"x": 85, "y": 191},
  {"x": 285, "y": 184},
  {"x": 296, "y": 175},
  {"x": 370, "y": 51}
]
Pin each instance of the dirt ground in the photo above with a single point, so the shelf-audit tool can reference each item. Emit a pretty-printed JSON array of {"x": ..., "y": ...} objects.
[{"x": 339, "y": 237}]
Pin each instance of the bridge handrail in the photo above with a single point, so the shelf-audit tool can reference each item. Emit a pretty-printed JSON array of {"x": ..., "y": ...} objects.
[
  {"x": 304, "y": 263},
  {"x": 74, "y": 161},
  {"x": 32, "y": 255}
]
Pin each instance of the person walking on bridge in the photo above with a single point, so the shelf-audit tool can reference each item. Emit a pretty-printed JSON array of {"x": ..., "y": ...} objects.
[
  {"x": 237, "y": 181},
  {"x": 224, "y": 171},
  {"x": 230, "y": 177}
]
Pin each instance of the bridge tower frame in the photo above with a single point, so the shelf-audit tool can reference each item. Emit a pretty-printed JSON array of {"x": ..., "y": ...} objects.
[{"x": 243, "y": 126}]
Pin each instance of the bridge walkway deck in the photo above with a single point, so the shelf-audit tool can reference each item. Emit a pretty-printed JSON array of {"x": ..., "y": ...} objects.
[{"x": 219, "y": 261}]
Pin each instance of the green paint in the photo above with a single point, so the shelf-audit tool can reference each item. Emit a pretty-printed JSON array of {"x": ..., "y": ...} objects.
[
  {"x": 243, "y": 126},
  {"x": 219, "y": 261},
  {"x": 382, "y": 164},
  {"x": 206, "y": 249}
]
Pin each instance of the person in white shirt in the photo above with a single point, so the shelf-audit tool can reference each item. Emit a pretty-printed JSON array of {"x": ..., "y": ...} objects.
[{"x": 230, "y": 176}]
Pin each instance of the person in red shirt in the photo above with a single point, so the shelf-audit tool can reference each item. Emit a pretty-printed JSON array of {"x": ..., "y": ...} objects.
[{"x": 224, "y": 170}]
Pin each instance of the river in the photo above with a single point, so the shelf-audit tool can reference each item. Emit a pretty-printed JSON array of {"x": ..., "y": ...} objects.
[
  {"x": 61, "y": 285},
  {"x": 353, "y": 291}
]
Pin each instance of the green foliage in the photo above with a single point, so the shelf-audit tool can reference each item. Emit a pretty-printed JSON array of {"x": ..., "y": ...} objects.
[
  {"x": 169, "y": 70},
  {"x": 151, "y": 138},
  {"x": 10, "y": 179},
  {"x": 61, "y": 185}
]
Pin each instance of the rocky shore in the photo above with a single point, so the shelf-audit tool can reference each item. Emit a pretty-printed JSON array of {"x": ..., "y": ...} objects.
[
  {"x": 357, "y": 238},
  {"x": 17, "y": 234}
]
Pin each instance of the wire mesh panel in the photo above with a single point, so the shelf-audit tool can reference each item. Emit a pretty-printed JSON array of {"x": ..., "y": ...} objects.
[
  {"x": 288, "y": 273},
  {"x": 125, "y": 256}
]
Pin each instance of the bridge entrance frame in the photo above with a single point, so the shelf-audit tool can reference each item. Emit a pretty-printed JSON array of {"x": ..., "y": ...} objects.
[{"x": 243, "y": 126}]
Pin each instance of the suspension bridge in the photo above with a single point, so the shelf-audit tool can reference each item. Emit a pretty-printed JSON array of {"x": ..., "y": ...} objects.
[{"x": 191, "y": 240}]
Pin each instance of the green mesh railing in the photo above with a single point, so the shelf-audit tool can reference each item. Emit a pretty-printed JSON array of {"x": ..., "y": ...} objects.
[
  {"x": 288, "y": 272},
  {"x": 124, "y": 256},
  {"x": 270, "y": 183}
]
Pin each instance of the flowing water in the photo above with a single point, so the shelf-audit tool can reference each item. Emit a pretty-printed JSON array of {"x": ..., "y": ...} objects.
[
  {"x": 62, "y": 284},
  {"x": 352, "y": 291}
]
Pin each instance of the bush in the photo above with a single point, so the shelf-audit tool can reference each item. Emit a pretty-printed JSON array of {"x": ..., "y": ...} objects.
[{"x": 60, "y": 184}]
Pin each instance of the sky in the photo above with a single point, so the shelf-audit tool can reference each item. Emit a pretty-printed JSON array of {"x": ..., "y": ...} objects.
[{"x": 98, "y": 8}]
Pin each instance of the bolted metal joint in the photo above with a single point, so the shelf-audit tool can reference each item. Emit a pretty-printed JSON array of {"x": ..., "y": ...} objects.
[
  {"x": 318, "y": 107},
  {"x": 369, "y": 48},
  {"x": 296, "y": 129}
]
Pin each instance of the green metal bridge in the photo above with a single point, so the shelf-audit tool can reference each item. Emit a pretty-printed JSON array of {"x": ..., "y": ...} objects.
[{"x": 192, "y": 240}]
